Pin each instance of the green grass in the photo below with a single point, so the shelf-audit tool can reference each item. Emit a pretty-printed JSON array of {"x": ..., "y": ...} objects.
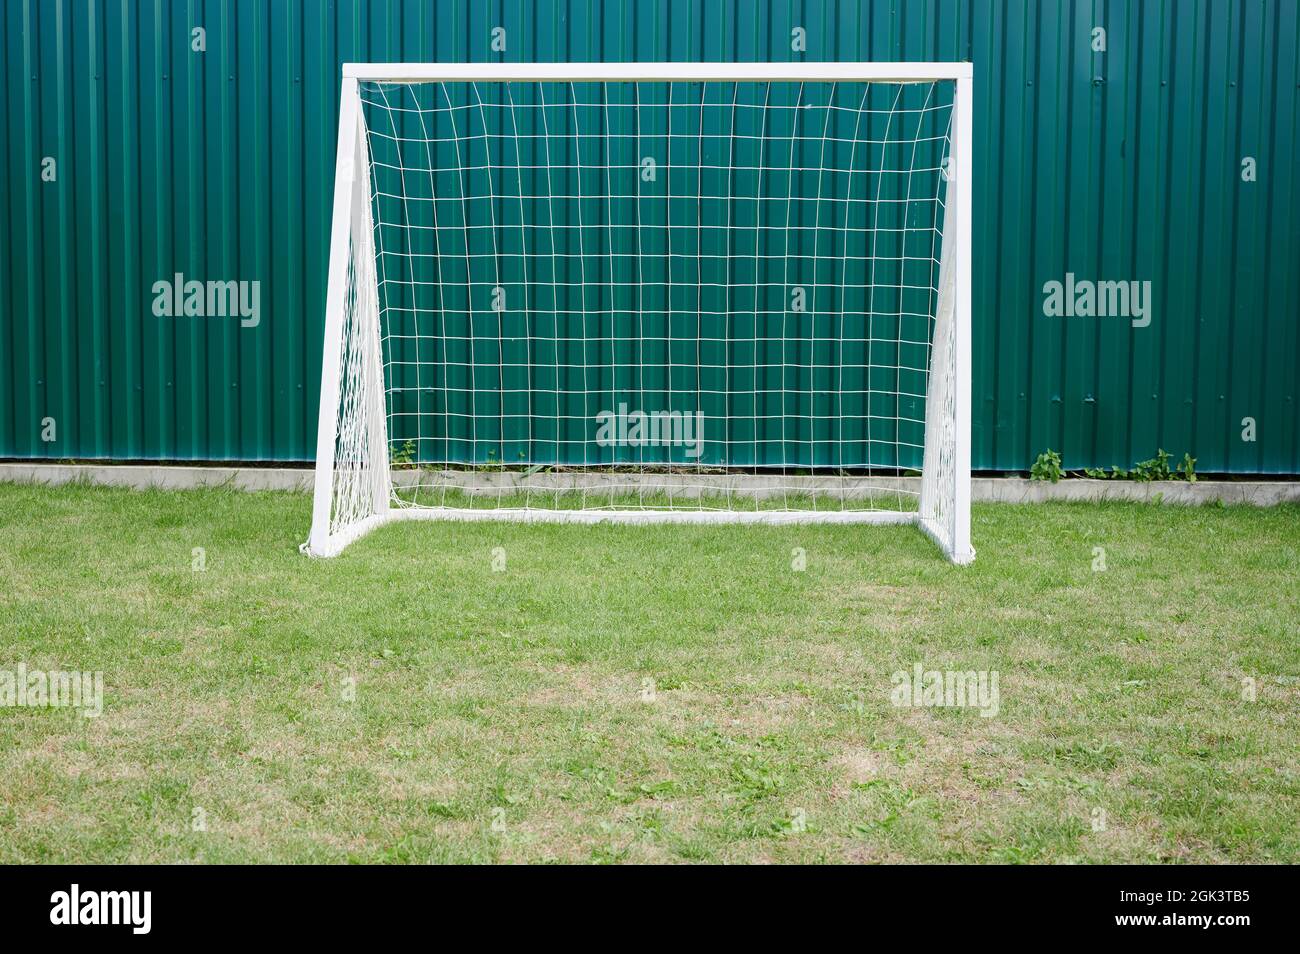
[{"x": 505, "y": 716}]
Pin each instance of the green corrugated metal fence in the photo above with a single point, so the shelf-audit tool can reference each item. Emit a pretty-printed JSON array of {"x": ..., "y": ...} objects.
[
  {"x": 772, "y": 277},
  {"x": 1163, "y": 149}
]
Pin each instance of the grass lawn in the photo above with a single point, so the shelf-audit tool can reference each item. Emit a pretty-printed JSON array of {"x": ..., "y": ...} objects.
[{"x": 647, "y": 693}]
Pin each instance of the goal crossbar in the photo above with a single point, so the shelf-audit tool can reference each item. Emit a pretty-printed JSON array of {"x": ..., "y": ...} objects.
[
  {"x": 379, "y": 342},
  {"x": 656, "y": 72}
]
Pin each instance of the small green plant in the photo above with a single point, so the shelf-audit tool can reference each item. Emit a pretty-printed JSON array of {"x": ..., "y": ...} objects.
[
  {"x": 1157, "y": 468},
  {"x": 404, "y": 458},
  {"x": 1047, "y": 467}
]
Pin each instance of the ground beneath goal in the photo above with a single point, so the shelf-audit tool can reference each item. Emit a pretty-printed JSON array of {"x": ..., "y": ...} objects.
[{"x": 511, "y": 692}]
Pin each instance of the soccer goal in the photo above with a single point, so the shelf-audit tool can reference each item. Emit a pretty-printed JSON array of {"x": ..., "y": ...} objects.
[{"x": 648, "y": 293}]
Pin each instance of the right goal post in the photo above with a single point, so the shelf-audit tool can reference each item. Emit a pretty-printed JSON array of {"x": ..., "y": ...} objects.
[{"x": 649, "y": 292}]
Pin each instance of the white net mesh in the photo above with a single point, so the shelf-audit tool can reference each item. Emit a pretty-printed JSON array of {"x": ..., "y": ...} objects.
[
  {"x": 649, "y": 300},
  {"x": 938, "y": 513},
  {"x": 361, "y": 484}
]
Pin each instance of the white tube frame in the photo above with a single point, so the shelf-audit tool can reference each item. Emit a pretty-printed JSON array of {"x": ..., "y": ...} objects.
[
  {"x": 655, "y": 72},
  {"x": 958, "y": 216}
]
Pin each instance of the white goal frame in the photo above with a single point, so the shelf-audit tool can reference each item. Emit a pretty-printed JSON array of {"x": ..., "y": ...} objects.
[{"x": 352, "y": 198}]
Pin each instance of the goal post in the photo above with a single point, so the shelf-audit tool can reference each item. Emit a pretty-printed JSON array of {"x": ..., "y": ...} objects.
[{"x": 649, "y": 292}]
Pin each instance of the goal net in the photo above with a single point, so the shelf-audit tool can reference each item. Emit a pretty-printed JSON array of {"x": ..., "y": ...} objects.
[{"x": 649, "y": 293}]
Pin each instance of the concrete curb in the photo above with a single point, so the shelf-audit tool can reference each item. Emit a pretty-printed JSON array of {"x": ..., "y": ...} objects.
[
  {"x": 168, "y": 477},
  {"x": 1261, "y": 493}
]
